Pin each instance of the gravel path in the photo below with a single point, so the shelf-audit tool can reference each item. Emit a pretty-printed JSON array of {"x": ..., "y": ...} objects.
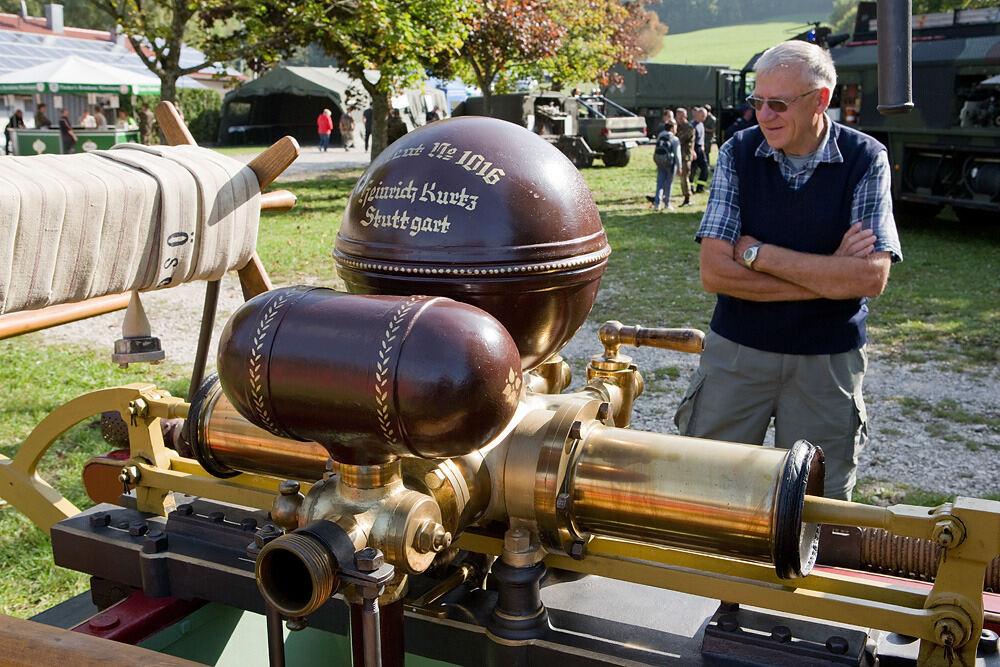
[{"x": 929, "y": 425}]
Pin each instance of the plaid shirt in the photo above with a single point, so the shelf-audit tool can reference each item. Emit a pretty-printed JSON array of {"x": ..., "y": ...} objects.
[{"x": 871, "y": 205}]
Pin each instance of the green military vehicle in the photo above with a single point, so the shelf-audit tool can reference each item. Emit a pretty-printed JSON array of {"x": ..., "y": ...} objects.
[{"x": 583, "y": 127}]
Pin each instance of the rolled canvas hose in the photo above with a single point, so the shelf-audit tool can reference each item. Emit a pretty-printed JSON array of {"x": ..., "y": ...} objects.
[{"x": 131, "y": 218}]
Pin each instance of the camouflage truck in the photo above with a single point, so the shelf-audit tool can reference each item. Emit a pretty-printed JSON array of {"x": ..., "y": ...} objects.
[
  {"x": 583, "y": 127},
  {"x": 947, "y": 150}
]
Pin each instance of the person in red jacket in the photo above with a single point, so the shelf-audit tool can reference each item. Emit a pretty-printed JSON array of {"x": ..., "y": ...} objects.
[{"x": 325, "y": 126}]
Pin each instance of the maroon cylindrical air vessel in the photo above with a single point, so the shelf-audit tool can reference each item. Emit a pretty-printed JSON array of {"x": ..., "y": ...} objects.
[{"x": 371, "y": 377}]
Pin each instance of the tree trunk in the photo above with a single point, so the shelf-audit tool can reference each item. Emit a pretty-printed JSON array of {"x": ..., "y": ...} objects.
[
  {"x": 168, "y": 88},
  {"x": 380, "y": 116}
]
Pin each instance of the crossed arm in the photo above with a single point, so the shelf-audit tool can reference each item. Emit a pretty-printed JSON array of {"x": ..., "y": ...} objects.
[{"x": 854, "y": 270}]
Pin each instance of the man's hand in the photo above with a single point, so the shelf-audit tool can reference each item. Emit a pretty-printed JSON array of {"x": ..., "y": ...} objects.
[{"x": 857, "y": 242}]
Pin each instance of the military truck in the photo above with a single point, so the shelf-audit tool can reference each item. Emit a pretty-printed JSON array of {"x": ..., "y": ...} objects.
[
  {"x": 664, "y": 86},
  {"x": 947, "y": 150},
  {"x": 583, "y": 127}
]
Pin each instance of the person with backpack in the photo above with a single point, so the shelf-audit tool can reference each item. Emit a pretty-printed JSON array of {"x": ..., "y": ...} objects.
[{"x": 667, "y": 156}]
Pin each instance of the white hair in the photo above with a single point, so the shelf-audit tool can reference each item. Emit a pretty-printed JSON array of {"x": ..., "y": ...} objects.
[{"x": 813, "y": 61}]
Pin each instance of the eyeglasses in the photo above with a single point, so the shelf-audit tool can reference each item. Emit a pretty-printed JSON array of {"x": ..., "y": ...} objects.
[{"x": 777, "y": 105}]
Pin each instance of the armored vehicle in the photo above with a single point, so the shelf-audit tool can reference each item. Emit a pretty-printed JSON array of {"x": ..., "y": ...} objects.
[{"x": 583, "y": 127}]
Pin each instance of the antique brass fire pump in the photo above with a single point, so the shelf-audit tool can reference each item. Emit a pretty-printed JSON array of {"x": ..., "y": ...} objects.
[{"x": 411, "y": 436}]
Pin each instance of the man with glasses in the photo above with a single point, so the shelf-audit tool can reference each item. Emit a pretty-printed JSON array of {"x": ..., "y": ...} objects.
[{"x": 797, "y": 234}]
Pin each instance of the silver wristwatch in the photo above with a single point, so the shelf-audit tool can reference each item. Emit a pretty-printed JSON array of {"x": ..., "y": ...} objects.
[{"x": 750, "y": 255}]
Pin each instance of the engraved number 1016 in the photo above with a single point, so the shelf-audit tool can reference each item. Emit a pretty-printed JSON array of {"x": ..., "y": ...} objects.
[{"x": 480, "y": 166}]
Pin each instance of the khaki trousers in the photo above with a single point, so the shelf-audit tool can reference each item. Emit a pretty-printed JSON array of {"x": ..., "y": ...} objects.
[{"x": 737, "y": 390}]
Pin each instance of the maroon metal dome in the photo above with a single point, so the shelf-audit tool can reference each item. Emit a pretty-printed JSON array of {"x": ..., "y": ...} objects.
[{"x": 485, "y": 212}]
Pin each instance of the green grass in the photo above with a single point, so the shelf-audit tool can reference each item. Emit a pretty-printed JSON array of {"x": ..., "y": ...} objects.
[
  {"x": 730, "y": 45},
  {"x": 36, "y": 379},
  {"x": 941, "y": 303}
]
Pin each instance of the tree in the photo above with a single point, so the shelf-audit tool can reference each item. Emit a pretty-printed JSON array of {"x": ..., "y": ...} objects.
[
  {"x": 384, "y": 45},
  {"x": 599, "y": 35},
  {"x": 159, "y": 29},
  {"x": 560, "y": 40},
  {"x": 505, "y": 35}
]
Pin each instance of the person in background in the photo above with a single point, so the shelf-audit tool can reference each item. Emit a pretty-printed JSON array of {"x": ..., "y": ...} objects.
[
  {"x": 102, "y": 120},
  {"x": 667, "y": 156},
  {"x": 433, "y": 115},
  {"x": 797, "y": 235},
  {"x": 366, "y": 116},
  {"x": 87, "y": 121},
  {"x": 324, "y": 126},
  {"x": 346, "y": 127},
  {"x": 711, "y": 125},
  {"x": 41, "y": 120},
  {"x": 685, "y": 134},
  {"x": 743, "y": 122},
  {"x": 66, "y": 132},
  {"x": 699, "y": 167},
  {"x": 668, "y": 117},
  {"x": 397, "y": 126},
  {"x": 123, "y": 122},
  {"x": 146, "y": 122},
  {"x": 16, "y": 122}
]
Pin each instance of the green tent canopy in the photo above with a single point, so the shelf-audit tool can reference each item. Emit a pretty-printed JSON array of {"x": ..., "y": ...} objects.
[{"x": 74, "y": 74}]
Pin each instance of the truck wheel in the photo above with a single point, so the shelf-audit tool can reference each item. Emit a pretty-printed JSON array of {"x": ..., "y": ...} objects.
[
  {"x": 617, "y": 158},
  {"x": 581, "y": 160}
]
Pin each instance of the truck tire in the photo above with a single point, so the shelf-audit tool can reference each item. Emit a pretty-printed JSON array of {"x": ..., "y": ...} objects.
[
  {"x": 617, "y": 157},
  {"x": 581, "y": 160}
]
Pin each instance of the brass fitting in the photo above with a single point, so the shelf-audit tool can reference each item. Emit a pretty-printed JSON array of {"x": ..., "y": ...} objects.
[{"x": 431, "y": 536}]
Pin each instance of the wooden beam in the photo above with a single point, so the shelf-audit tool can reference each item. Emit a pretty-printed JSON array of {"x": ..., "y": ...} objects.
[{"x": 30, "y": 644}]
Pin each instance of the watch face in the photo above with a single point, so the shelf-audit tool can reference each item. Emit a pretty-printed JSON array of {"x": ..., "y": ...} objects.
[{"x": 749, "y": 253}]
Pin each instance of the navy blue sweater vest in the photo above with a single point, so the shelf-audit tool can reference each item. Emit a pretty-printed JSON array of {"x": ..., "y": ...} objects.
[{"x": 811, "y": 219}]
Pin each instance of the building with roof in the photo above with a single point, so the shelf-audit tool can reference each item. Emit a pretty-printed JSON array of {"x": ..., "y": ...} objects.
[{"x": 28, "y": 41}]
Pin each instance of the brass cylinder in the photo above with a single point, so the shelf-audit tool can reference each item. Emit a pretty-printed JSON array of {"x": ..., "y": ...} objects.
[
  {"x": 226, "y": 444},
  {"x": 710, "y": 496}
]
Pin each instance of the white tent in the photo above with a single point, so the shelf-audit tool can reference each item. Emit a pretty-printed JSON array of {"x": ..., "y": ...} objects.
[{"x": 74, "y": 74}]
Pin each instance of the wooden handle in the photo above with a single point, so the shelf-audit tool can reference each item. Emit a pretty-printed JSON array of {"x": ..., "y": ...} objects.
[
  {"x": 15, "y": 324},
  {"x": 172, "y": 125},
  {"x": 614, "y": 334},
  {"x": 254, "y": 279},
  {"x": 269, "y": 164},
  {"x": 279, "y": 200}
]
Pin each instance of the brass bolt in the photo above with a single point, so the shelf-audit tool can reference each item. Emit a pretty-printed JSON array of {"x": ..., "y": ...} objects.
[
  {"x": 517, "y": 541},
  {"x": 368, "y": 559},
  {"x": 431, "y": 536},
  {"x": 434, "y": 480},
  {"x": 288, "y": 487}
]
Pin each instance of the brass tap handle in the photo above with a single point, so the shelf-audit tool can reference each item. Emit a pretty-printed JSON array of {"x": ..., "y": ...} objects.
[{"x": 614, "y": 334}]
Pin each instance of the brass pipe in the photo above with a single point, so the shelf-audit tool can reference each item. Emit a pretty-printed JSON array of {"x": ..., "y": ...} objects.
[
  {"x": 225, "y": 443},
  {"x": 15, "y": 324}
]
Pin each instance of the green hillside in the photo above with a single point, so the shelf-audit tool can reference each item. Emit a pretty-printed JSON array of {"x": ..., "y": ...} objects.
[{"x": 731, "y": 45}]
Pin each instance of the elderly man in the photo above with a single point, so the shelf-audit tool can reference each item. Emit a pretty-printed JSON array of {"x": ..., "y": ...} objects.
[{"x": 797, "y": 234}]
